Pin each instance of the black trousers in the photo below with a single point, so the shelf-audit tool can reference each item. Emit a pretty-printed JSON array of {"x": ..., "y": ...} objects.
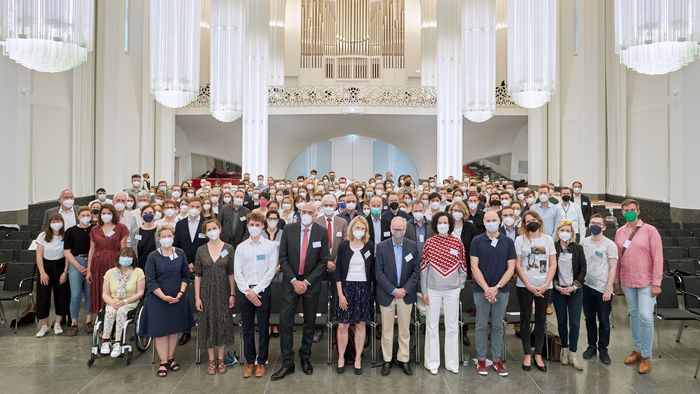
[
  {"x": 309, "y": 306},
  {"x": 61, "y": 292},
  {"x": 525, "y": 299},
  {"x": 248, "y": 314}
]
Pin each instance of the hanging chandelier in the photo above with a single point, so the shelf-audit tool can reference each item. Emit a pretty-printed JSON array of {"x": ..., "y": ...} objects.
[
  {"x": 227, "y": 39},
  {"x": 175, "y": 31},
  {"x": 657, "y": 36},
  {"x": 479, "y": 42},
  {"x": 532, "y": 51},
  {"x": 47, "y": 35}
]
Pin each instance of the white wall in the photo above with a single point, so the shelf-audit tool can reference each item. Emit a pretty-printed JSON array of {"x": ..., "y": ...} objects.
[
  {"x": 519, "y": 154},
  {"x": 183, "y": 152}
]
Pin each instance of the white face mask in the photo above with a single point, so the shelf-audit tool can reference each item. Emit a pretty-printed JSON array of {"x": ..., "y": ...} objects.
[
  {"x": 194, "y": 213},
  {"x": 254, "y": 231},
  {"x": 157, "y": 215},
  {"x": 119, "y": 206},
  {"x": 159, "y": 201},
  {"x": 350, "y": 206},
  {"x": 366, "y": 212},
  {"x": 206, "y": 207},
  {"x": 227, "y": 199},
  {"x": 106, "y": 218},
  {"x": 238, "y": 202},
  {"x": 516, "y": 212},
  {"x": 318, "y": 204},
  {"x": 183, "y": 209},
  {"x": 508, "y": 221},
  {"x": 170, "y": 212},
  {"x": 213, "y": 234},
  {"x": 129, "y": 204},
  {"x": 434, "y": 205},
  {"x": 85, "y": 220},
  {"x": 473, "y": 205},
  {"x": 564, "y": 235},
  {"x": 505, "y": 203},
  {"x": 176, "y": 193},
  {"x": 56, "y": 226},
  {"x": 521, "y": 196},
  {"x": 300, "y": 205},
  {"x": 577, "y": 190},
  {"x": 306, "y": 219},
  {"x": 530, "y": 200},
  {"x": 425, "y": 202},
  {"x": 543, "y": 197},
  {"x": 457, "y": 215},
  {"x": 358, "y": 234},
  {"x": 418, "y": 216},
  {"x": 68, "y": 203},
  {"x": 166, "y": 242},
  {"x": 141, "y": 204},
  {"x": 214, "y": 199},
  {"x": 328, "y": 211},
  {"x": 286, "y": 207},
  {"x": 136, "y": 183},
  {"x": 443, "y": 228},
  {"x": 272, "y": 223}
]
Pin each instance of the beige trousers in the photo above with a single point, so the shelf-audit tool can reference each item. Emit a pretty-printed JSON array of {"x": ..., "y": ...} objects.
[{"x": 402, "y": 311}]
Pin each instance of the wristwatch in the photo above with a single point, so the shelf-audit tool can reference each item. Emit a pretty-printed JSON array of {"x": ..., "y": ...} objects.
[{"x": 499, "y": 288}]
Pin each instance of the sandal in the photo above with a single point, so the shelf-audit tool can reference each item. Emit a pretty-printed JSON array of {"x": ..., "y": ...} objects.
[
  {"x": 222, "y": 368},
  {"x": 163, "y": 370},
  {"x": 211, "y": 369},
  {"x": 172, "y": 365}
]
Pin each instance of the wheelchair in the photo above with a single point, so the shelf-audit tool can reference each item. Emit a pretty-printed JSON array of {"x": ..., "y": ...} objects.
[{"x": 129, "y": 333}]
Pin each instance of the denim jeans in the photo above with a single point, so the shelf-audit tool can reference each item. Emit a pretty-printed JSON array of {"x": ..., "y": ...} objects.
[
  {"x": 79, "y": 288},
  {"x": 640, "y": 305},
  {"x": 568, "y": 309},
  {"x": 485, "y": 313},
  {"x": 595, "y": 308}
]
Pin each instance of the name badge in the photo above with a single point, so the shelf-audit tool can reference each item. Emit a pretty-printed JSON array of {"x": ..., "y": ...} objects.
[
  {"x": 471, "y": 221},
  {"x": 277, "y": 243},
  {"x": 494, "y": 242},
  {"x": 260, "y": 257},
  {"x": 316, "y": 244},
  {"x": 387, "y": 234},
  {"x": 585, "y": 203},
  {"x": 201, "y": 236},
  {"x": 408, "y": 257},
  {"x": 454, "y": 252},
  {"x": 385, "y": 207},
  {"x": 223, "y": 253},
  {"x": 627, "y": 244},
  {"x": 137, "y": 237},
  {"x": 339, "y": 234},
  {"x": 599, "y": 254},
  {"x": 421, "y": 238},
  {"x": 109, "y": 234},
  {"x": 242, "y": 219},
  {"x": 173, "y": 256},
  {"x": 367, "y": 254}
]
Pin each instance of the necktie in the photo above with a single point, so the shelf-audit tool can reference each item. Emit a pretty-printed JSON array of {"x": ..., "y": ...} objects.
[
  {"x": 304, "y": 249},
  {"x": 329, "y": 228}
]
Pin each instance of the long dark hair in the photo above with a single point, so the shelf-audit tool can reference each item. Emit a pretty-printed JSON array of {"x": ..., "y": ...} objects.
[{"x": 48, "y": 231}]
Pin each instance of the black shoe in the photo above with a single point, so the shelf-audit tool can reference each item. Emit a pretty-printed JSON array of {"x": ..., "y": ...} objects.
[
  {"x": 407, "y": 368},
  {"x": 589, "y": 353},
  {"x": 318, "y": 335},
  {"x": 542, "y": 367},
  {"x": 282, "y": 372},
  {"x": 358, "y": 371},
  {"x": 526, "y": 367},
  {"x": 386, "y": 368},
  {"x": 604, "y": 357},
  {"x": 306, "y": 366},
  {"x": 340, "y": 370},
  {"x": 184, "y": 338}
]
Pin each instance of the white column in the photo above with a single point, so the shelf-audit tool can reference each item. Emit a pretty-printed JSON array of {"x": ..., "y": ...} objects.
[
  {"x": 449, "y": 113},
  {"x": 537, "y": 145},
  {"x": 254, "y": 158},
  {"x": 277, "y": 27},
  {"x": 428, "y": 37},
  {"x": 83, "y": 133},
  {"x": 164, "y": 155},
  {"x": 148, "y": 102}
]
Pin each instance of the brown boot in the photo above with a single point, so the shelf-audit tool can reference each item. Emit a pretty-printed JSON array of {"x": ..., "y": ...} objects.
[
  {"x": 634, "y": 357},
  {"x": 645, "y": 366},
  {"x": 260, "y": 371},
  {"x": 248, "y": 370}
]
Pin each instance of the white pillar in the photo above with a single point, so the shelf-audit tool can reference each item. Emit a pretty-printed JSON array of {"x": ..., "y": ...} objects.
[
  {"x": 164, "y": 155},
  {"x": 449, "y": 111},
  {"x": 83, "y": 131},
  {"x": 254, "y": 158},
  {"x": 428, "y": 36},
  {"x": 537, "y": 145},
  {"x": 277, "y": 27}
]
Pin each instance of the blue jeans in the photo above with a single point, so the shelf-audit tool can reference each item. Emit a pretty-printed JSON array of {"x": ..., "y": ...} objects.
[
  {"x": 640, "y": 305},
  {"x": 485, "y": 313},
  {"x": 79, "y": 288},
  {"x": 598, "y": 330},
  {"x": 568, "y": 309}
]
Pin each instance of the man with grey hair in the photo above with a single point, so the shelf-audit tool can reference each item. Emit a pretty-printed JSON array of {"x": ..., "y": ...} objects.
[
  {"x": 125, "y": 218},
  {"x": 397, "y": 271},
  {"x": 66, "y": 199}
]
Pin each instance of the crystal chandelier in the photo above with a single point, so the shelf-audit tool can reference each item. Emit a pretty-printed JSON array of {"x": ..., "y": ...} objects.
[
  {"x": 479, "y": 42},
  {"x": 175, "y": 31},
  {"x": 657, "y": 36},
  {"x": 47, "y": 35},
  {"x": 227, "y": 39},
  {"x": 532, "y": 51}
]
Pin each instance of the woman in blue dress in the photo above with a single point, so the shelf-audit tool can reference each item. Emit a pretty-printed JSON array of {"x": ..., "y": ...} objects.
[{"x": 167, "y": 311}]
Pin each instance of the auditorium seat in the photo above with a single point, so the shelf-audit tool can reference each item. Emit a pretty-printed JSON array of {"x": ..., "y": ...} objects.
[
  {"x": 668, "y": 241},
  {"x": 6, "y": 256},
  {"x": 25, "y": 256},
  {"x": 688, "y": 241},
  {"x": 22, "y": 235},
  {"x": 680, "y": 233},
  {"x": 675, "y": 253},
  {"x": 694, "y": 253},
  {"x": 11, "y": 244}
]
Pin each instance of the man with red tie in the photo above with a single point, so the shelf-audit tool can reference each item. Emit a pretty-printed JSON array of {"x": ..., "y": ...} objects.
[{"x": 303, "y": 256}]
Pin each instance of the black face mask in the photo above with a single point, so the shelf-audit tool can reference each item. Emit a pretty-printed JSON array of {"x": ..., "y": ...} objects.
[
  {"x": 95, "y": 211},
  {"x": 532, "y": 226},
  {"x": 394, "y": 206},
  {"x": 566, "y": 198}
]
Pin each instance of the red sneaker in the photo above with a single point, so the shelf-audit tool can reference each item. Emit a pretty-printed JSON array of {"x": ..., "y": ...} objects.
[
  {"x": 500, "y": 368},
  {"x": 481, "y": 368}
]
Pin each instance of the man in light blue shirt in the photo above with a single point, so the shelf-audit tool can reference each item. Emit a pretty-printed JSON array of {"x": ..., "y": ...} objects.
[{"x": 551, "y": 214}]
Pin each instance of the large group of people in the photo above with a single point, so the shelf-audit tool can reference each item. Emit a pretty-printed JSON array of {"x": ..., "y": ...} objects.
[{"x": 392, "y": 243}]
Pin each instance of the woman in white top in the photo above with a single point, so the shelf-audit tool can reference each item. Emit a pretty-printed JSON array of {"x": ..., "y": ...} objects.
[
  {"x": 353, "y": 276},
  {"x": 53, "y": 276},
  {"x": 169, "y": 213},
  {"x": 287, "y": 210},
  {"x": 535, "y": 264}
]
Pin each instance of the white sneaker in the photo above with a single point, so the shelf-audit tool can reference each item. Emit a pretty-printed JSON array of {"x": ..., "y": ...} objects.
[
  {"x": 116, "y": 351},
  {"x": 104, "y": 349},
  {"x": 57, "y": 329},
  {"x": 434, "y": 371},
  {"x": 42, "y": 331}
]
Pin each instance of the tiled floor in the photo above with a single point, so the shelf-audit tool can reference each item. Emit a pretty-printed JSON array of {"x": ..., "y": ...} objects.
[{"x": 58, "y": 364}]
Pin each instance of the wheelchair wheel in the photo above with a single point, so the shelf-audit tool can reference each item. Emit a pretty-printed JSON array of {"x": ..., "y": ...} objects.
[{"x": 142, "y": 343}]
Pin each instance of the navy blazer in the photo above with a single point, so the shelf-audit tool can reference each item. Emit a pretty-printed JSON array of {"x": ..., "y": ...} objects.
[
  {"x": 316, "y": 257},
  {"x": 183, "y": 240},
  {"x": 342, "y": 261},
  {"x": 586, "y": 208},
  {"x": 385, "y": 272}
]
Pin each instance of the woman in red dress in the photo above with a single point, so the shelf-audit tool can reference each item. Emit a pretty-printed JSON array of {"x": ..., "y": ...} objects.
[{"x": 106, "y": 240}]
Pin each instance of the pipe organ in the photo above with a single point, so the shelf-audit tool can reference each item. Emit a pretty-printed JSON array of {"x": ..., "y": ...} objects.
[{"x": 352, "y": 40}]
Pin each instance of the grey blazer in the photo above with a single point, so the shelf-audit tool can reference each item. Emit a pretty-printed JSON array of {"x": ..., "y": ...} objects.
[{"x": 51, "y": 211}]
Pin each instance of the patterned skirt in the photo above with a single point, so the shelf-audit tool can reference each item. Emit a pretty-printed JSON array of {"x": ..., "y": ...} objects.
[{"x": 360, "y": 303}]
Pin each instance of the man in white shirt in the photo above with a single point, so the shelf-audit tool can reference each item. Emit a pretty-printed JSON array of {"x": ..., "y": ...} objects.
[
  {"x": 572, "y": 211},
  {"x": 66, "y": 200},
  {"x": 124, "y": 218},
  {"x": 255, "y": 265}
]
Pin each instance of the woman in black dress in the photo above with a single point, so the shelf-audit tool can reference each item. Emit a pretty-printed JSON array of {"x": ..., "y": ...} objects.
[
  {"x": 144, "y": 240},
  {"x": 353, "y": 276},
  {"x": 167, "y": 311}
]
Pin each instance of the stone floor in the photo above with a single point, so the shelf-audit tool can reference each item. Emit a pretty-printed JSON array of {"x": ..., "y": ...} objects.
[{"x": 58, "y": 365}]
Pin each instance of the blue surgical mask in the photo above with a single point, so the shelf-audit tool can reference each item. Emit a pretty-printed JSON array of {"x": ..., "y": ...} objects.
[
  {"x": 148, "y": 218},
  {"x": 491, "y": 227},
  {"x": 125, "y": 261},
  {"x": 375, "y": 211}
]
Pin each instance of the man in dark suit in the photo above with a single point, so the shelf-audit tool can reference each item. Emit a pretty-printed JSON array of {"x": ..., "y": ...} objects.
[
  {"x": 303, "y": 256},
  {"x": 583, "y": 201},
  {"x": 475, "y": 215},
  {"x": 351, "y": 208},
  {"x": 189, "y": 236},
  {"x": 389, "y": 214},
  {"x": 66, "y": 200},
  {"x": 378, "y": 229},
  {"x": 397, "y": 271},
  {"x": 232, "y": 216}
]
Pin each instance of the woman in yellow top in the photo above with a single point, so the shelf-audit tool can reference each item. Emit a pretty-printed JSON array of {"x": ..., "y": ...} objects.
[{"x": 122, "y": 289}]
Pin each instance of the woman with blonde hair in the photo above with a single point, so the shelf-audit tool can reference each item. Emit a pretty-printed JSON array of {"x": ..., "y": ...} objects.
[{"x": 353, "y": 278}]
